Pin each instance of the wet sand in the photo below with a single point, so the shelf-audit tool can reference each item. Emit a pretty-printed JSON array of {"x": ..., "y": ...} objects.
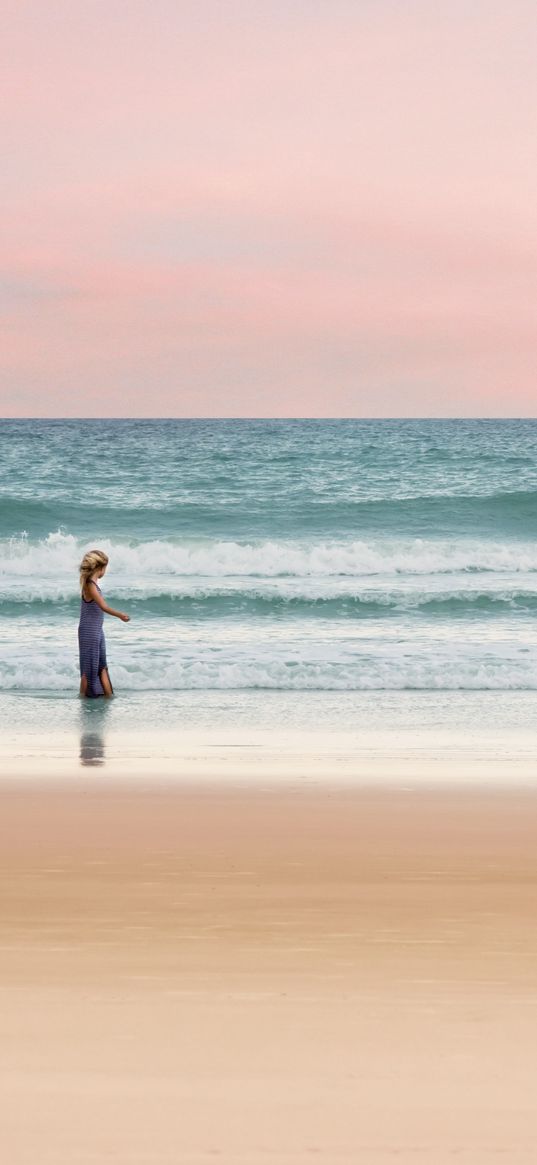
[{"x": 287, "y": 974}]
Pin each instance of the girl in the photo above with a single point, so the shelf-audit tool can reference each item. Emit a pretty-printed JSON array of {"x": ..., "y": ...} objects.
[{"x": 94, "y": 678}]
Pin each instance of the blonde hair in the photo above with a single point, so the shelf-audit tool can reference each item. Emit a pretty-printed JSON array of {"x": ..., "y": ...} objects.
[{"x": 91, "y": 562}]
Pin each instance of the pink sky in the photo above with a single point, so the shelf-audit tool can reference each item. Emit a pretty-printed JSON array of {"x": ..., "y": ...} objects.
[{"x": 277, "y": 208}]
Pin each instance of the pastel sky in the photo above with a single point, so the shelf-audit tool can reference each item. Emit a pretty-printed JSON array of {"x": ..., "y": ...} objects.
[{"x": 269, "y": 208}]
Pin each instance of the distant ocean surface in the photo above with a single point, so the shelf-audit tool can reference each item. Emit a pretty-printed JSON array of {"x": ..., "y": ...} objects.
[{"x": 304, "y": 555}]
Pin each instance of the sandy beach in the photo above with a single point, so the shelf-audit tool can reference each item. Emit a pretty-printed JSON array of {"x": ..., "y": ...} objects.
[{"x": 284, "y": 974}]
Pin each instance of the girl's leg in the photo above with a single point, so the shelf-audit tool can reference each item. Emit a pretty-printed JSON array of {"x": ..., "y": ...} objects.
[
  {"x": 83, "y": 685},
  {"x": 103, "y": 670}
]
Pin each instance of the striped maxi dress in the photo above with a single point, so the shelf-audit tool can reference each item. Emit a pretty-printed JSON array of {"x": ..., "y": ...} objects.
[{"x": 91, "y": 645}]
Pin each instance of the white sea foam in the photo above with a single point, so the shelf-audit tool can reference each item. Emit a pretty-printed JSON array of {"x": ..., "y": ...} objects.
[
  {"x": 57, "y": 556},
  {"x": 49, "y": 662}
]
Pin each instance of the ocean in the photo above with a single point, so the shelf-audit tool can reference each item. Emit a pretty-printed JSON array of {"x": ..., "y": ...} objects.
[{"x": 274, "y": 556}]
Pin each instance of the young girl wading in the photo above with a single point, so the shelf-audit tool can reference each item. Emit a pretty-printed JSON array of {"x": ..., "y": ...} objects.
[{"x": 94, "y": 678}]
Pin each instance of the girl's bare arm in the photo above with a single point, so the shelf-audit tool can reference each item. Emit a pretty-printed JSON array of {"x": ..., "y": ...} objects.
[{"x": 98, "y": 598}]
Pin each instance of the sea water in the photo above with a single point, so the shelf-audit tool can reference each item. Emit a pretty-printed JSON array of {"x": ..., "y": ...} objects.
[{"x": 339, "y": 558}]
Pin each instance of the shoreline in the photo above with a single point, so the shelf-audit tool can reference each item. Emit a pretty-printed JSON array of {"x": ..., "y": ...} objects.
[
  {"x": 235, "y": 735},
  {"x": 252, "y": 760}
]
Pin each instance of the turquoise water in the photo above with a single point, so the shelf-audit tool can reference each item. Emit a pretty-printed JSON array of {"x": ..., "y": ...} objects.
[{"x": 299, "y": 556}]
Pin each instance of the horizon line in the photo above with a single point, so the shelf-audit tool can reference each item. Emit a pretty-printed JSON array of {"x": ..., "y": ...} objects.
[
  {"x": 224, "y": 418},
  {"x": 477, "y": 417}
]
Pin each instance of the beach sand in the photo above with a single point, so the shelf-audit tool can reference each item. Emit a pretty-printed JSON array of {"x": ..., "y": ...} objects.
[{"x": 282, "y": 974}]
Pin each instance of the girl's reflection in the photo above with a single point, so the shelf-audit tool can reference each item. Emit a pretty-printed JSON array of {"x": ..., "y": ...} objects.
[
  {"x": 93, "y": 717},
  {"x": 92, "y": 750}
]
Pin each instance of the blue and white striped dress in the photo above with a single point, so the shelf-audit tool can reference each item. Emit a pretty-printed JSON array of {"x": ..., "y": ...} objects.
[{"x": 91, "y": 645}]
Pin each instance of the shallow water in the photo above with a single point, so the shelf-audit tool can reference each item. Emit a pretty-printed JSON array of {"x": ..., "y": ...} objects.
[{"x": 333, "y": 733}]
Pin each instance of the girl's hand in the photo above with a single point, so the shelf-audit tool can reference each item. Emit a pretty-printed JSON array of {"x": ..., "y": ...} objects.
[{"x": 124, "y": 618}]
